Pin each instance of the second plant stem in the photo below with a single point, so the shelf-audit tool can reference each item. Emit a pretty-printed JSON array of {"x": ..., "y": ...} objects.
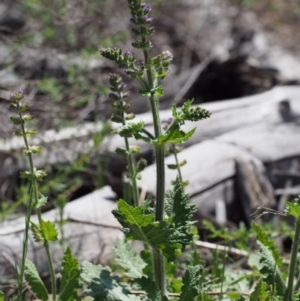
[
  {"x": 36, "y": 198},
  {"x": 293, "y": 263}
]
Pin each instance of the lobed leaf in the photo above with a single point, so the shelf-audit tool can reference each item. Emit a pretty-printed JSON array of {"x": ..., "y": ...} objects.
[
  {"x": 293, "y": 208},
  {"x": 186, "y": 113},
  {"x": 34, "y": 280},
  {"x": 149, "y": 286},
  {"x": 270, "y": 271},
  {"x": 104, "y": 287},
  {"x": 48, "y": 230},
  {"x": 260, "y": 291},
  {"x": 190, "y": 283},
  {"x": 128, "y": 259},
  {"x": 174, "y": 135},
  {"x": 70, "y": 275},
  {"x": 141, "y": 226}
]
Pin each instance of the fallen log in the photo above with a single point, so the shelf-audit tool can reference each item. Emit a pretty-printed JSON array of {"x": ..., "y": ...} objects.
[{"x": 90, "y": 232}]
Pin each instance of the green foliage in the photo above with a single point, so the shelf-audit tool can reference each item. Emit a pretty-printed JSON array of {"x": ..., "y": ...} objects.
[
  {"x": 143, "y": 227},
  {"x": 262, "y": 237},
  {"x": 260, "y": 291},
  {"x": 102, "y": 286},
  {"x": 35, "y": 282},
  {"x": 149, "y": 286},
  {"x": 2, "y": 296},
  {"x": 128, "y": 259},
  {"x": 187, "y": 113},
  {"x": 70, "y": 275},
  {"x": 168, "y": 235},
  {"x": 293, "y": 209},
  {"x": 190, "y": 283},
  {"x": 174, "y": 135}
]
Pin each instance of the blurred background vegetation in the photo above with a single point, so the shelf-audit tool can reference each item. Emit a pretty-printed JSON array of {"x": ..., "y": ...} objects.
[{"x": 50, "y": 49}]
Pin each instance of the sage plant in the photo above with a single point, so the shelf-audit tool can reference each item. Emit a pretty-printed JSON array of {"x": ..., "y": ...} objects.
[{"x": 150, "y": 71}]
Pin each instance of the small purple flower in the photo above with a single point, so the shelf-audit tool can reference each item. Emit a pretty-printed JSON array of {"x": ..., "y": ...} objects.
[
  {"x": 148, "y": 8},
  {"x": 169, "y": 120},
  {"x": 148, "y": 19},
  {"x": 127, "y": 53},
  {"x": 12, "y": 96},
  {"x": 21, "y": 91},
  {"x": 123, "y": 85},
  {"x": 142, "y": 63},
  {"x": 134, "y": 18}
]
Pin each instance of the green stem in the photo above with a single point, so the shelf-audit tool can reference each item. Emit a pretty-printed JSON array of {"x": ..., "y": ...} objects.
[
  {"x": 25, "y": 246},
  {"x": 132, "y": 175},
  {"x": 131, "y": 167},
  {"x": 35, "y": 193},
  {"x": 293, "y": 263},
  {"x": 158, "y": 259}
]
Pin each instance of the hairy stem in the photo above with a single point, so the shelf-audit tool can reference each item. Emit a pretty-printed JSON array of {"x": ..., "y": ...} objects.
[
  {"x": 131, "y": 168},
  {"x": 293, "y": 263},
  {"x": 158, "y": 259}
]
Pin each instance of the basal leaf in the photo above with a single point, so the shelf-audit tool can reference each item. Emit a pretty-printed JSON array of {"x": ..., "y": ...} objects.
[
  {"x": 70, "y": 274},
  {"x": 141, "y": 226},
  {"x": 149, "y": 286},
  {"x": 34, "y": 280},
  {"x": 128, "y": 259},
  {"x": 260, "y": 291},
  {"x": 270, "y": 271},
  {"x": 264, "y": 239},
  {"x": 190, "y": 284},
  {"x": 48, "y": 230},
  {"x": 174, "y": 135},
  {"x": 104, "y": 287}
]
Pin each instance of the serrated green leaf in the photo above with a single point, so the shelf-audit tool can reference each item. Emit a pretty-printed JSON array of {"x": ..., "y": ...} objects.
[
  {"x": 104, "y": 287},
  {"x": 260, "y": 291},
  {"x": 48, "y": 230},
  {"x": 293, "y": 209},
  {"x": 190, "y": 283},
  {"x": 159, "y": 91},
  {"x": 174, "y": 135},
  {"x": 34, "y": 280},
  {"x": 270, "y": 271},
  {"x": 178, "y": 208},
  {"x": 128, "y": 259},
  {"x": 143, "y": 227},
  {"x": 186, "y": 113},
  {"x": 131, "y": 129},
  {"x": 149, "y": 286},
  {"x": 270, "y": 244},
  {"x": 70, "y": 275}
]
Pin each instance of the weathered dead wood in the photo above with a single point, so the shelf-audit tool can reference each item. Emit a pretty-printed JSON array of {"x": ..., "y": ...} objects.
[
  {"x": 253, "y": 187},
  {"x": 90, "y": 232},
  {"x": 229, "y": 117}
]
